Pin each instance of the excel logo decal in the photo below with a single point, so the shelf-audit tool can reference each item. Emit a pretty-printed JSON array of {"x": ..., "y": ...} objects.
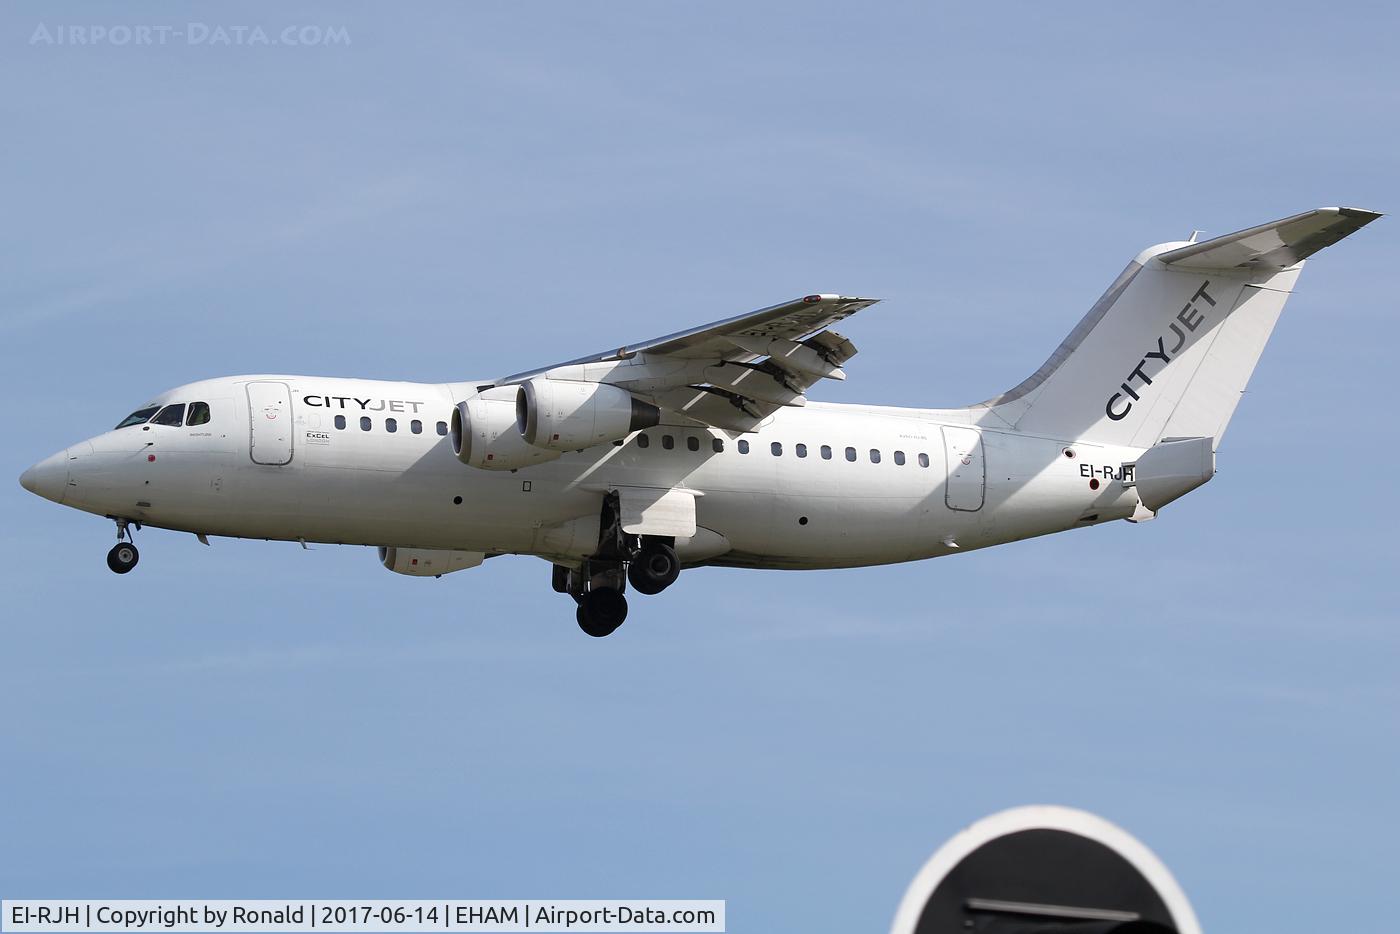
[{"x": 1188, "y": 319}]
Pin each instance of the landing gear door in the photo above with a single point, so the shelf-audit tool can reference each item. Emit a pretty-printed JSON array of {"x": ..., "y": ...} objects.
[
  {"x": 967, "y": 470},
  {"x": 652, "y": 511},
  {"x": 270, "y": 418}
]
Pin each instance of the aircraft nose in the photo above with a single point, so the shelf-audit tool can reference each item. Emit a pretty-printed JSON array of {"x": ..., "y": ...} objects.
[{"x": 48, "y": 478}]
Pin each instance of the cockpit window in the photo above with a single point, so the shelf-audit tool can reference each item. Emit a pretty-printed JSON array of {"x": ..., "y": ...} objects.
[
  {"x": 199, "y": 414},
  {"x": 139, "y": 417},
  {"x": 172, "y": 415}
]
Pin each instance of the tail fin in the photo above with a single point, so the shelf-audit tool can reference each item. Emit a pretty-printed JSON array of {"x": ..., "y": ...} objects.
[{"x": 1168, "y": 349}]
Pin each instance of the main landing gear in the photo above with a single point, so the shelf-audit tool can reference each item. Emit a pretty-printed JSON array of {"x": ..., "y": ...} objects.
[
  {"x": 601, "y": 611},
  {"x": 650, "y": 564},
  {"x": 654, "y": 567},
  {"x": 123, "y": 556}
]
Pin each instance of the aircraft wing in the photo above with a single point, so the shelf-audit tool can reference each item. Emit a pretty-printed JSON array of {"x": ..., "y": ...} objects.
[{"x": 729, "y": 374}]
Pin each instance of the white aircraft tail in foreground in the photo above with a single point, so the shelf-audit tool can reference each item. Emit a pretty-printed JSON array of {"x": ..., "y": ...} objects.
[
  {"x": 1168, "y": 349},
  {"x": 701, "y": 447}
]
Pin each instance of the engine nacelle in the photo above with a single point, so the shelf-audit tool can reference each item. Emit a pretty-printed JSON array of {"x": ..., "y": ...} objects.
[
  {"x": 568, "y": 415},
  {"x": 1044, "y": 870},
  {"x": 427, "y": 562},
  {"x": 484, "y": 434}
]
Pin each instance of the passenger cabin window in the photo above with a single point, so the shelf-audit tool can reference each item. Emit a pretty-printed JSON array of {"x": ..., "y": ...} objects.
[
  {"x": 668, "y": 442},
  {"x": 802, "y": 450},
  {"x": 643, "y": 441},
  {"x": 899, "y": 458},
  {"x": 442, "y": 428},
  {"x": 826, "y": 452},
  {"x": 777, "y": 448},
  {"x": 743, "y": 447},
  {"x": 364, "y": 423},
  {"x": 851, "y": 455},
  {"x": 340, "y": 422},
  {"x": 693, "y": 443},
  {"x": 391, "y": 425},
  {"x": 172, "y": 415},
  {"x": 717, "y": 444},
  {"x": 923, "y": 460},
  {"x": 139, "y": 417},
  {"x": 874, "y": 456},
  {"x": 416, "y": 427}
]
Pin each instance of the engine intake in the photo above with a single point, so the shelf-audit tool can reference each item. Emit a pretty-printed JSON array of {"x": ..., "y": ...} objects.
[
  {"x": 568, "y": 415},
  {"x": 483, "y": 433},
  {"x": 1044, "y": 870}
]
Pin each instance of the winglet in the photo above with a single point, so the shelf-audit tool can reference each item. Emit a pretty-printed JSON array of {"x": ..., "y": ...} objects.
[{"x": 1278, "y": 245}]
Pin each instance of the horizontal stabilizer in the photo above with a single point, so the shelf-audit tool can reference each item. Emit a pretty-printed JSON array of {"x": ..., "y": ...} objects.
[{"x": 1277, "y": 245}]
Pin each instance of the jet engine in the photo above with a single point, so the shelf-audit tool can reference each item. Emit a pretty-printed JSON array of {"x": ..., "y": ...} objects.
[
  {"x": 568, "y": 415},
  {"x": 427, "y": 562},
  {"x": 1044, "y": 870},
  {"x": 484, "y": 433}
]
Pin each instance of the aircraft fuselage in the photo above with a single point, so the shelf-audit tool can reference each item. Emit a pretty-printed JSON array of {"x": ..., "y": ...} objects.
[{"x": 820, "y": 486}]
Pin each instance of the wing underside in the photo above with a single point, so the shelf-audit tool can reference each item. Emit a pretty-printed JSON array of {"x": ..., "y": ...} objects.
[{"x": 730, "y": 374}]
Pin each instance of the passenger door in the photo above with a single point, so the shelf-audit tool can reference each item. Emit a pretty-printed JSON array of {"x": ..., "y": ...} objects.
[
  {"x": 270, "y": 418},
  {"x": 967, "y": 471}
]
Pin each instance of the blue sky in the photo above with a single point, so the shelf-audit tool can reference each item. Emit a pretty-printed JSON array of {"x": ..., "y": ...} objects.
[{"x": 471, "y": 189}]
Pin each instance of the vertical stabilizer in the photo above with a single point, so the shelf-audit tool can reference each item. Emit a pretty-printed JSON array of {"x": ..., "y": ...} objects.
[{"x": 1169, "y": 348}]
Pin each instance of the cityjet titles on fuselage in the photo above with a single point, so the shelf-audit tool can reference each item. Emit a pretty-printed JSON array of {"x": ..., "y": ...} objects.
[{"x": 366, "y": 405}]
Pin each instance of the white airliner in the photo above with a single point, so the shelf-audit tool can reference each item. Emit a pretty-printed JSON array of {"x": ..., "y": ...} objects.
[{"x": 701, "y": 447}]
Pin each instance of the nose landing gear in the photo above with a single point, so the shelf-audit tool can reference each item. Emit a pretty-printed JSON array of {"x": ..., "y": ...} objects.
[{"x": 123, "y": 556}]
